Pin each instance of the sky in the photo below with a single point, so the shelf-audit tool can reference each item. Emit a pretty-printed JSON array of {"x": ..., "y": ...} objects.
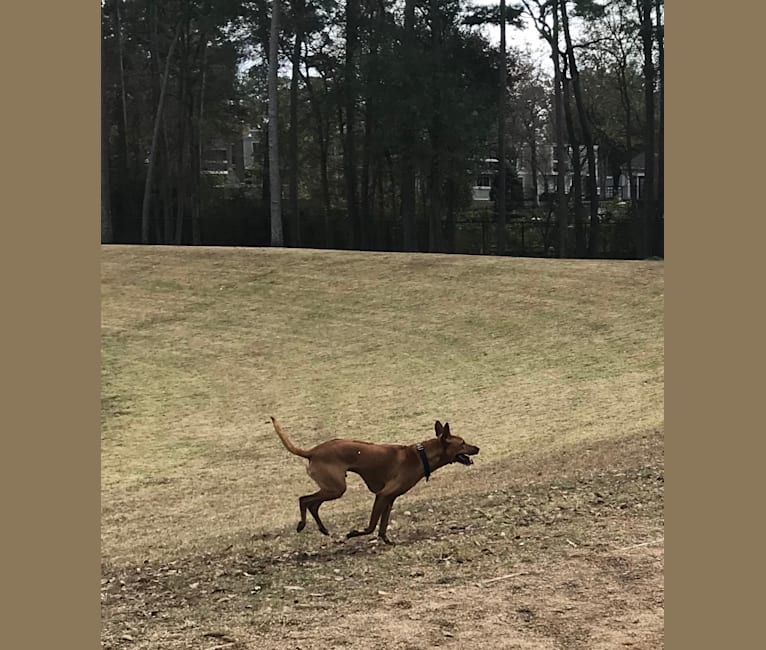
[{"x": 526, "y": 38}]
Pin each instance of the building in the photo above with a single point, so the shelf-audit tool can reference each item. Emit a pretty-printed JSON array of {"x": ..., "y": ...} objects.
[
  {"x": 546, "y": 169},
  {"x": 638, "y": 172},
  {"x": 232, "y": 160},
  {"x": 484, "y": 172}
]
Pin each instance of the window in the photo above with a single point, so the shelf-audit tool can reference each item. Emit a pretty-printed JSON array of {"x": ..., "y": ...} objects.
[{"x": 484, "y": 180}]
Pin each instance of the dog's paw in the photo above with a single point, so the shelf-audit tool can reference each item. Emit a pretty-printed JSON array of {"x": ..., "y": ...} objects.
[
  {"x": 301, "y": 526},
  {"x": 386, "y": 540}
]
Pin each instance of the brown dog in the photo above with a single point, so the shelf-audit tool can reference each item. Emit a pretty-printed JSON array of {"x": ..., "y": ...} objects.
[{"x": 388, "y": 470}]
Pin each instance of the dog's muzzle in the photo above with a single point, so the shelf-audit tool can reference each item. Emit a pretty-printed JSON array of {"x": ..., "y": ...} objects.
[{"x": 465, "y": 459}]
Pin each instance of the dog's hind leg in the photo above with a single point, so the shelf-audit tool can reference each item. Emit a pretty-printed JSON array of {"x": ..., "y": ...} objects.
[
  {"x": 302, "y": 504},
  {"x": 332, "y": 484},
  {"x": 313, "y": 506}
]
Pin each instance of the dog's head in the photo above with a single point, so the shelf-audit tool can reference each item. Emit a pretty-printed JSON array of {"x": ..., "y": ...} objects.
[{"x": 456, "y": 449}]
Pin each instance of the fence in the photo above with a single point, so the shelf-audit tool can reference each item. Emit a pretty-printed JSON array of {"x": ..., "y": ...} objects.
[{"x": 242, "y": 222}]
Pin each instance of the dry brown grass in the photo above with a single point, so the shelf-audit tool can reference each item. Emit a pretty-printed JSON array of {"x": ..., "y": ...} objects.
[{"x": 536, "y": 361}]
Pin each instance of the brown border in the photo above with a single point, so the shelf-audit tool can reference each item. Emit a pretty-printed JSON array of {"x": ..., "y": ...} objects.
[
  {"x": 713, "y": 173},
  {"x": 51, "y": 325},
  {"x": 51, "y": 352}
]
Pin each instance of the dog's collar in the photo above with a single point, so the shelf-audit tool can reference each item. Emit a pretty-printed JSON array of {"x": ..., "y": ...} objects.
[{"x": 423, "y": 459}]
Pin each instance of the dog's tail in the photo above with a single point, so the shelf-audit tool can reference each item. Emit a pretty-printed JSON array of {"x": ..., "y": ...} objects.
[{"x": 287, "y": 442}]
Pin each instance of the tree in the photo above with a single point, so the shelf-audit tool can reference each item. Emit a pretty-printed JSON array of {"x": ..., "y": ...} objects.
[
  {"x": 540, "y": 13},
  {"x": 501, "y": 118},
  {"x": 503, "y": 17},
  {"x": 274, "y": 176},
  {"x": 375, "y": 29},
  {"x": 196, "y": 199},
  {"x": 644, "y": 8},
  {"x": 408, "y": 194},
  {"x": 576, "y": 162},
  {"x": 400, "y": 101},
  {"x": 349, "y": 150},
  {"x": 123, "y": 91},
  {"x": 298, "y": 19},
  {"x": 322, "y": 137},
  {"x": 145, "y": 214},
  {"x": 106, "y": 206},
  {"x": 585, "y": 125},
  {"x": 659, "y": 8},
  {"x": 531, "y": 96},
  {"x": 436, "y": 128},
  {"x": 560, "y": 147},
  {"x": 613, "y": 86}
]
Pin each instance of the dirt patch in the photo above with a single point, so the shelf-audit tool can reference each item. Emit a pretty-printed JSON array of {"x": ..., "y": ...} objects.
[
  {"x": 568, "y": 604},
  {"x": 515, "y": 560}
]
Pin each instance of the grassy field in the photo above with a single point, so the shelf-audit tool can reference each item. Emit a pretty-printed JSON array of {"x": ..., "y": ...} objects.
[{"x": 554, "y": 368}]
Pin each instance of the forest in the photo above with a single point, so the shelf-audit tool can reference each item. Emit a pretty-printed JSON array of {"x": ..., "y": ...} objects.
[{"x": 388, "y": 125}]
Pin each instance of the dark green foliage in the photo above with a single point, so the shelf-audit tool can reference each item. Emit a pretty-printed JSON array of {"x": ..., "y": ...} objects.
[
  {"x": 420, "y": 90},
  {"x": 490, "y": 15}
]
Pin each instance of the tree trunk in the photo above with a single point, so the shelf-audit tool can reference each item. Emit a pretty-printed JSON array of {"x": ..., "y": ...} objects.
[
  {"x": 561, "y": 206},
  {"x": 266, "y": 176},
  {"x": 165, "y": 187},
  {"x": 451, "y": 225},
  {"x": 533, "y": 162},
  {"x": 295, "y": 224},
  {"x": 183, "y": 162},
  {"x": 435, "y": 181},
  {"x": 382, "y": 232},
  {"x": 625, "y": 98},
  {"x": 435, "y": 205},
  {"x": 408, "y": 198},
  {"x": 408, "y": 205},
  {"x": 123, "y": 91},
  {"x": 321, "y": 133},
  {"x": 370, "y": 158},
  {"x": 534, "y": 165},
  {"x": 647, "y": 199},
  {"x": 394, "y": 244},
  {"x": 373, "y": 216},
  {"x": 145, "y": 222},
  {"x": 197, "y": 154},
  {"x": 501, "y": 244},
  {"x": 366, "y": 229},
  {"x": 349, "y": 157},
  {"x": 107, "y": 235},
  {"x": 180, "y": 210},
  {"x": 587, "y": 134},
  {"x": 574, "y": 144},
  {"x": 275, "y": 184},
  {"x": 661, "y": 137}
]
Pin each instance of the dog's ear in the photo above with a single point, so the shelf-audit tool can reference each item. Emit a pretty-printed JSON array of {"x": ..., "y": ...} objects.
[
  {"x": 438, "y": 428},
  {"x": 446, "y": 430}
]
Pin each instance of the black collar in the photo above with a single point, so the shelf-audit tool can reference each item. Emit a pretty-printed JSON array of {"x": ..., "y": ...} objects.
[{"x": 424, "y": 459}]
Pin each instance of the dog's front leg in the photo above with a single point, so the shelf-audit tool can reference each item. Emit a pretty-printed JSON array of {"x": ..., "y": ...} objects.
[
  {"x": 384, "y": 522},
  {"x": 378, "y": 508}
]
